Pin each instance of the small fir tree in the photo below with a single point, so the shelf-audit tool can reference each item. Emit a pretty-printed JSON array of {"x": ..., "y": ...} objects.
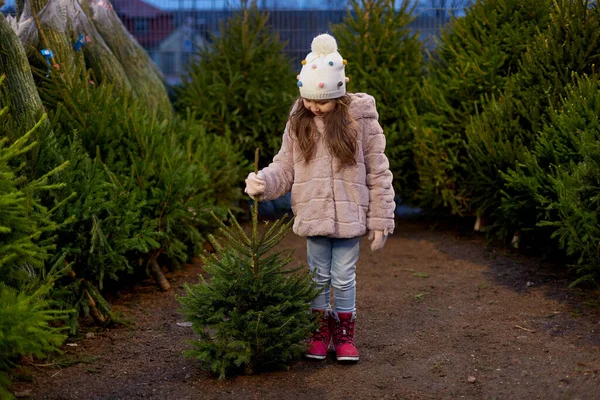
[
  {"x": 252, "y": 313},
  {"x": 385, "y": 60},
  {"x": 475, "y": 56},
  {"x": 25, "y": 329},
  {"x": 497, "y": 140},
  {"x": 241, "y": 76}
]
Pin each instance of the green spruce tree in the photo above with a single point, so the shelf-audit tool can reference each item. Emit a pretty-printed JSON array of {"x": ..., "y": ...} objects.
[
  {"x": 138, "y": 189},
  {"x": 498, "y": 140},
  {"x": 178, "y": 189},
  {"x": 27, "y": 229},
  {"x": 23, "y": 220},
  {"x": 475, "y": 56},
  {"x": 25, "y": 329},
  {"x": 253, "y": 312},
  {"x": 26, "y": 243},
  {"x": 385, "y": 60},
  {"x": 107, "y": 226},
  {"x": 241, "y": 86},
  {"x": 564, "y": 176},
  {"x": 141, "y": 188}
]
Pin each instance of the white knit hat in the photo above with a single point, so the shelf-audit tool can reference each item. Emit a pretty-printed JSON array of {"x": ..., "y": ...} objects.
[{"x": 322, "y": 76}]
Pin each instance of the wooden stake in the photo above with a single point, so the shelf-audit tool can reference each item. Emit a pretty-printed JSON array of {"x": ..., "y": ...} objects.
[{"x": 255, "y": 221}]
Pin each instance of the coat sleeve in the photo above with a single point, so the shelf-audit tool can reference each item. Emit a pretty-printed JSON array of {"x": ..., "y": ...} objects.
[
  {"x": 380, "y": 216},
  {"x": 279, "y": 175}
]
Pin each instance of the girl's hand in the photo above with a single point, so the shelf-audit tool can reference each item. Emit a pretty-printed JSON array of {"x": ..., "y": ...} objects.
[
  {"x": 378, "y": 239},
  {"x": 255, "y": 185}
]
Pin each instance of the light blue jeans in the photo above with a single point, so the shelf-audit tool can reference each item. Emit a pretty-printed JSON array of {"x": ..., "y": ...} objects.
[{"x": 334, "y": 261}]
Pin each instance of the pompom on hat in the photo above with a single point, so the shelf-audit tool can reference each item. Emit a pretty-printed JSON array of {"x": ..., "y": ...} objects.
[{"x": 322, "y": 76}]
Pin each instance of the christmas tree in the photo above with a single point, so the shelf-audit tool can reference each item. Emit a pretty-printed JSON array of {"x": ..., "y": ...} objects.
[
  {"x": 476, "y": 55},
  {"x": 566, "y": 169},
  {"x": 141, "y": 188},
  {"x": 68, "y": 33},
  {"x": 27, "y": 228},
  {"x": 499, "y": 139},
  {"x": 252, "y": 313},
  {"x": 107, "y": 227},
  {"x": 26, "y": 242},
  {"x": 243, "y": 75},
  {"x": 25, "y": 329},
  {"x": 140, "y": 184}
]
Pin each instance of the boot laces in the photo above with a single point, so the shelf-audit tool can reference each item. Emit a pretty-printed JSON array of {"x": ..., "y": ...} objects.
[
  {"x": 344, "y": 332},
  {"x": 321, "y": 334}
]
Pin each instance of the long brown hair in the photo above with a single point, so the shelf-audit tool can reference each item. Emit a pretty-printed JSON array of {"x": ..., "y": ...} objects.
[{"x": 340, "y": 130}]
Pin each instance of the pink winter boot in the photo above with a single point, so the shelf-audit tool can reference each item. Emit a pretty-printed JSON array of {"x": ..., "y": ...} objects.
[
  {"x": 342, "y": 329},
  {"x": 319, "y": 341}
]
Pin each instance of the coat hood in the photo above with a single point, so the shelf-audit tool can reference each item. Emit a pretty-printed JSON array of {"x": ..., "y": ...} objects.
[{"x": 363, "y": 106}]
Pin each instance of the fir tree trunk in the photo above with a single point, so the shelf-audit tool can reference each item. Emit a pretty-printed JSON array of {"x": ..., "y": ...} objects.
[
  {"x": 98, "y": 56},
  {"x": 144, "y": 76},
  {"x": 157, "y": 274},
  {"x": 26, "y": 105},
  {"x": 96, "y": 315}
]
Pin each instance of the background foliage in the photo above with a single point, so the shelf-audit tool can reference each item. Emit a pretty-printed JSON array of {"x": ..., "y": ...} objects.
[
  {"x": 239, "y": 87},
  {"x": 498, "y": 140}
]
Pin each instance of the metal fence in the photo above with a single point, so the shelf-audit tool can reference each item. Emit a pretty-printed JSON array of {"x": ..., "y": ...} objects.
[{"x": 171, "y": 30}]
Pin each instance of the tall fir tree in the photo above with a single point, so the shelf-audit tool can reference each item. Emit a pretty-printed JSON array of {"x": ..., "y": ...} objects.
[
  {"x": 241, "y": 86},
  {"x": 140, "y": 187},
  {"x": 107, "y": 225},
  {"x": 385, "y": 60},
  {"x": 475, "y": 56},
  {"x": 253, "y": 312},
  {"x": 497, "y": 140}
]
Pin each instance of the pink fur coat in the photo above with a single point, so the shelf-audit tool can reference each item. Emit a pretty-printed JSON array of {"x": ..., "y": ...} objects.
[{"x": 333, "y": 202}]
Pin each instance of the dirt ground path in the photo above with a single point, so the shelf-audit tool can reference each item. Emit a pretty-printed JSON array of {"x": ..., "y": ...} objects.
[{"x": 440, "y": 316}]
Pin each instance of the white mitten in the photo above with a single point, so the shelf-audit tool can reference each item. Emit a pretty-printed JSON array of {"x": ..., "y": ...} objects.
[
  {"x": 255, "y": 185},
  {"x": 378, "y": 239}
]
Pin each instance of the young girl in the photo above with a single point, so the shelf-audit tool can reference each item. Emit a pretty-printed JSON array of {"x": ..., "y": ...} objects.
[{"x": 332, "y": 159}]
